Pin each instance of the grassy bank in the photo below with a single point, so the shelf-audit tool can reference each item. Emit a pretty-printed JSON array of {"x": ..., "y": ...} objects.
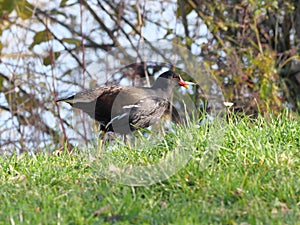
[{"x": 253, "y": 178}]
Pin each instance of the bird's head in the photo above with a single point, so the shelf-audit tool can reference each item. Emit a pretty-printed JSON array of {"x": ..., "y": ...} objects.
[{"x": 173, "y": 77}]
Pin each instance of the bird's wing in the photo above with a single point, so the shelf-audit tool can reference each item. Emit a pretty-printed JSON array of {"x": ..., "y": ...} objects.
[
  {"x": 147, "y": 110},
  {"x": 92, "y": 95},
  {"x": 141, "y": 114}
]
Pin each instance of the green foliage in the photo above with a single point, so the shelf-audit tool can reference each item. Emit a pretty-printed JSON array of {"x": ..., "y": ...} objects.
[
  {"x": 63, "y": 3},
  {"x": 254, "y": 179},
  {"x": 41, "y": 36},
  {"x": 24, "y": 9},
  {"x": 73, "y": 41},
  {"x": 6, "y": 7},
  {"x": 50, "y": 59}
]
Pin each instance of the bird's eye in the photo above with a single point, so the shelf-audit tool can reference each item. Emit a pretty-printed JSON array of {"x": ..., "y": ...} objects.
[{"x": 176, "y": 76}]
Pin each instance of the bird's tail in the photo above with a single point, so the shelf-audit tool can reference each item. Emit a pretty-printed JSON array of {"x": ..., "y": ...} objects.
[{"x": 69, "y": 100}]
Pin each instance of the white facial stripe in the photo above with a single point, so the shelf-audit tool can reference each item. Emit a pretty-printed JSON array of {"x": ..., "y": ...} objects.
[{"x": 131, "y": 106}]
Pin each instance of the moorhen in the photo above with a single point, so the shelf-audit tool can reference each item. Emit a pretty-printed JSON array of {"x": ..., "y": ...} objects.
[{"x": 123, "y": 109}]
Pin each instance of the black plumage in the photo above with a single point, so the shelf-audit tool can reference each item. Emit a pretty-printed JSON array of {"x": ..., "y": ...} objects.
[{"x": 124, "y": 109}]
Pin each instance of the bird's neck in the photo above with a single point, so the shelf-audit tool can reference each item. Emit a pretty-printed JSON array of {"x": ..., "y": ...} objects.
[{"x": 164, "y": 85}]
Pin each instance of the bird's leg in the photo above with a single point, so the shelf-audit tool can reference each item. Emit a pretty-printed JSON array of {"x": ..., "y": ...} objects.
[
  {"x": 101, "y": 140},
  {"x": 127, "y": 139},
  {"x": 101, "y": 137}
]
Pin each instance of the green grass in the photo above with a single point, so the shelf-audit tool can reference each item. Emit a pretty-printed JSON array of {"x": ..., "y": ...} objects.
[{"x": 254, "y": 178}]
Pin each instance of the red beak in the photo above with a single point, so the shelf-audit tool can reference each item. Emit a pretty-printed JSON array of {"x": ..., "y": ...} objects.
[{"x": 183, "y": 83}]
